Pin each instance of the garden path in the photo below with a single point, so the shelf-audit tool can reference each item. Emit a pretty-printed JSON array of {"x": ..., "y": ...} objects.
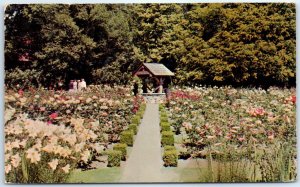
[{"x": 145, "y": 161}]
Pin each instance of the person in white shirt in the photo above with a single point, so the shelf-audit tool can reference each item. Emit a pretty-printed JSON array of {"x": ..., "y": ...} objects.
[
  {"x": 79, "y": 85},
  {"x": 83, "y": 84},
  {"x": 75, "y": 85}
]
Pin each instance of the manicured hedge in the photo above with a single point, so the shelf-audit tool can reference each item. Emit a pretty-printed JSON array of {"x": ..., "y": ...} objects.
[
  {"x": 142, "y": 107},
  {"x": 161, "y": 107},
  {"x": 136, "y": 119},
  {"x": 167, "y": 138},
  {"x": 123, "y": 148},
  {"x": 163, "y": 115},
  {"x": 140, "y": 114},
  {"x": 114, "y": 158},
  {"x": 133, "y": 127},
  {"x": 127, "y": 137},
  {"x": 165, "y": 126},
  {"x": 163, "y": 119},
  {"x": 170, "y": 158},
  {"x": 169, "y": 148}
]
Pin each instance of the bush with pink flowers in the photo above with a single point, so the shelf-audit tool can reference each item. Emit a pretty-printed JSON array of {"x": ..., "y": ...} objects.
[
  {"x": 48, "y": 134},
  {"x": 237, "y": 124}
]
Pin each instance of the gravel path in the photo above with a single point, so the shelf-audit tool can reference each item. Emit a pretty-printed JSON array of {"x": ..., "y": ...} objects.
[{"x": 145, "y": 163}]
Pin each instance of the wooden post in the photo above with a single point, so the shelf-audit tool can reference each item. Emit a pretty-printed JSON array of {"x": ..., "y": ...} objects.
[{"x": 161, "y": 83}]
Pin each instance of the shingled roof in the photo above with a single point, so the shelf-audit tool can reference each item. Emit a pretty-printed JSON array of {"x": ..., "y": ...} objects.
[{"x": 158, "y": 69}]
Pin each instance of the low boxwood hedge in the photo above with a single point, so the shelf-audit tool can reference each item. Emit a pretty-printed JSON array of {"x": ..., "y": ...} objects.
[
  {"x": 165, "y": 126},
  {"x": 133, "y": 127},
  {"x": 114, "y": 158},
  {"x": 136, "y": 120},
  {"x": 169, "y": 148},
  {"x": 170, "y": 158},
  {"x": 163, "y": 119},
  {"x": 167, "y": 138},
  {"x": 127, "y": 137},
  {"x": 123, "y": 148}
]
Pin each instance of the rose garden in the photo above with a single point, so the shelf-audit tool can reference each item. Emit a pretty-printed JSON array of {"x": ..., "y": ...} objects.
[
  {"x": 139, "y": 93},
  {"x": 52, "y": 135}
]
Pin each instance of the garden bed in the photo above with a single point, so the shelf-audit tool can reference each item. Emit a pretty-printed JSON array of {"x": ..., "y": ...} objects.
[
  {"x": 225, "y": 125},
  {"x": 50, "y": 133}
]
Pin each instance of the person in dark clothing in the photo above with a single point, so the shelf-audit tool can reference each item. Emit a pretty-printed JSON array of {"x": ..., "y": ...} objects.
[
  {"x": 145, "y": 88},
  {"x": 167, "y": 91},
  {"x": 135, "y": 89}
]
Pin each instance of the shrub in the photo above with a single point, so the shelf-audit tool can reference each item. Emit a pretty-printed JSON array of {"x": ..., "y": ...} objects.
[
  {"x": 165, "y": 126},
  {"x": 161, "y": 107},
  {"x": 170, "y": 158},
  {"x": 114, "y": 158},
  {"x": 140, "y": 114},
  {"x": 127, "y": 137},
  {"x": 123, "y": 148},
  {"x": 133, "y": 127},
  {"x": 169, "y": 148},
  {"x": 167, "y": 138},
  {"x": 163, "y": 115},
  {"x": 143, "y": 107},
  {"x": 136, "y": 120},
  {"x": 163, "y": 119}
]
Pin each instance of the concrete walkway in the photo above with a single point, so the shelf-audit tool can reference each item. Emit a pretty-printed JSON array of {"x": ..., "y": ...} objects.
[{"x": 145, "y": 161}]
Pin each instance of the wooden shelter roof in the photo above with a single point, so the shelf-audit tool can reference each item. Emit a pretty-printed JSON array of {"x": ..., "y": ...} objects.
[{"x": 155, "y": 69}]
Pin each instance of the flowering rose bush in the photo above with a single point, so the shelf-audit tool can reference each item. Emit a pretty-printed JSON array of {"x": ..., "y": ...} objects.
[
  {"x": 236, "y": 123},
  {"x": 37, "y": 152},
  {"x": 47, "y": 133}
]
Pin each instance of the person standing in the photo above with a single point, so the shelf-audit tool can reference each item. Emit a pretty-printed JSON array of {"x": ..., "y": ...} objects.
[
  {"x": 167, "y": 91},
  {"x": 79, "y": 85},
  {"x": 83, "y": 84},
  {"x": 75, "y": 85},
  {"x": 60, "y": 85},
  {"x": 135, "y": 89},
  {"x": 71, "y": 85}
]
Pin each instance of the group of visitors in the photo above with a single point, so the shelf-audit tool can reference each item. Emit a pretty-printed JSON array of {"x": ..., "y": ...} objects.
[{"x": 77, "y": 85}]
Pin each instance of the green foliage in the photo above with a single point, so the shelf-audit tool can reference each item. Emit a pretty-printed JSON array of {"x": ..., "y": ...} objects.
[
  {"x": 238, "y": 44},
  {"x": 170, "y": 158},
  {"x": 169, "y": 148},
  {"x": 114, "y": 158},
  {"x": 161, "y": 107},
  {"x": 277, "y": 165},
  {"x": 133, "y": 127},
  {"x": 24, "y": 168},
  {"x": 140, "y": 113},
  {"x": 242, "y": 47},
  {"x": 127, "y": 137},
  {"x": 163, "y": 119},
  {"x": 165, "y": 126},
  {"x": 136, "y": 120},
  {"x": 29, "y": 173},
  {"x": 68, "y": 41},
  {"x": 122, "y": 148},
  {"x": 163, "y": 114},
  {"x": 142, "y": 108},
  {"x": 167, "y": 138}
]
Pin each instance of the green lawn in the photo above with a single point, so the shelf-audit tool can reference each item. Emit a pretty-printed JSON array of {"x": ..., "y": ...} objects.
[
  {"x": 189, "y": 174},
  {"x": 177, "y": 174},
  {"x": 113, "y": 175},
  {"x": 103, "y": 175}
]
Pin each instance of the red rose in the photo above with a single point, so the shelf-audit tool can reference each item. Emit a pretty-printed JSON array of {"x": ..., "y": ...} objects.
[
  {"x": 21, "y": 92},
  {"x": 53, "y": 115},
  {"x": 293, "y": 99}
]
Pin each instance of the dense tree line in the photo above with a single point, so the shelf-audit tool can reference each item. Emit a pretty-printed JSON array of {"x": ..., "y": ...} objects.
[{"x": 215, "y": 44}]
